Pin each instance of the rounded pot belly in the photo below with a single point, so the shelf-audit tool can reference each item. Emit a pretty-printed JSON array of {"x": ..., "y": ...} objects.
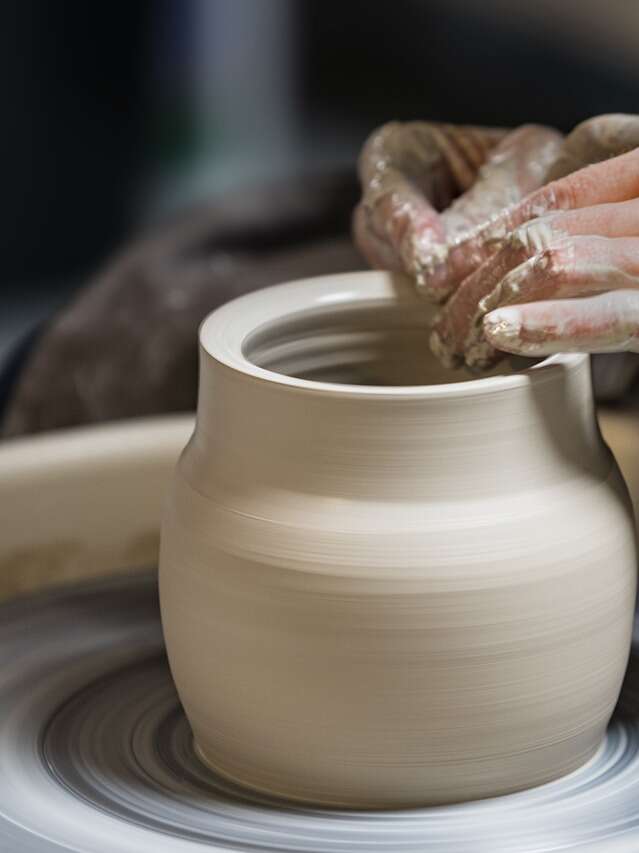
[
  {"x": 448, "y": 656},
  {"x": 384, "y": 584}
]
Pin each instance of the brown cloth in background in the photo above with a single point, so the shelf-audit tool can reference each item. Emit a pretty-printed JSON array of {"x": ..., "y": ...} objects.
[{"x": 126, "y": 346}]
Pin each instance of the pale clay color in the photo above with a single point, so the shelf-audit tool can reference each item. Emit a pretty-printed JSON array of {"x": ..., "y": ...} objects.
[
  {"x": 85, "y": 502},
  {"x": 384, "y": 594}
]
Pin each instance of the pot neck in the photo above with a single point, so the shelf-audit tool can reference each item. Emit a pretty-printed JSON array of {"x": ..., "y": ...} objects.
[{"x": 485, "y": 441}]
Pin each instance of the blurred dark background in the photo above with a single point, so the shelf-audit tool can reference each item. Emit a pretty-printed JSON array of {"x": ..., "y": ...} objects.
[{"x": 119, "y": 115}]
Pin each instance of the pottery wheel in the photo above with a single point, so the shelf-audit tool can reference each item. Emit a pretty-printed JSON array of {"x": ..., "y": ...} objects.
[{"x": 96, "y": 755}]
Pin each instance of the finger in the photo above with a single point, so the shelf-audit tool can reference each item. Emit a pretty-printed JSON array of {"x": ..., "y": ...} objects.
[
  {"x": 536, "y": 264},
  {"x": 451, "y": 327},
  {"x": 516, "y": 167},
  {"x": 377, "y": 251},
  {"x": 618, "y": 219},
  {"x": 454, "y": 328},
  {"x": 594, "y": 140},
  {"x": 410, "y": 170},
  {"x": 605, "y": 323},
  {"x": 513, "y": 169},
  {"x": 608, "y": 220},
  {"x": 576, "y": 266},
  {"x": 615, "y": 180},
  {"x": 573, "y": 267}
]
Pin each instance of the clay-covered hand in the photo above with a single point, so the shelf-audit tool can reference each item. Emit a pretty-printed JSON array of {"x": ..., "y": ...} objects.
[
  {"x": 516, "y": 280},
  {"x": 410, "y": 172}
]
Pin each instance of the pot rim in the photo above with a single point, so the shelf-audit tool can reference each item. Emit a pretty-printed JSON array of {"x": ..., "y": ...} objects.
[{"x": 224, "y": 333}]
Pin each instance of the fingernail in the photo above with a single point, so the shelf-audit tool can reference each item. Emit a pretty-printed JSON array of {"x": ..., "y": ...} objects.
[{"x": 503, "y": 326}]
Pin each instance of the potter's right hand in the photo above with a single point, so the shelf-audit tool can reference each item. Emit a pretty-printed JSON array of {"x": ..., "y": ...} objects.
[{"x": 529, "y": 204}]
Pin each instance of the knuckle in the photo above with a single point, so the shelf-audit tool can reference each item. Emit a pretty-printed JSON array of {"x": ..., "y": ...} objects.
[
  {"x": 377, "y": 152},
  {"x": 521, "y": 244},
  {"x": 561, "y": 194},
  {"x": 533, "y": 236},
  {"x": 552, "y": 263},
  {"x": 567, "y": 192}
]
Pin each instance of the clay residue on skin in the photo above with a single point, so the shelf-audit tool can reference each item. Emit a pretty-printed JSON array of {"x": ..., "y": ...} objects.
[
  {"x": 575, "y": 271},
  {"x": 477, "y": 223},
  {"x": 604, "y": 323},
  {"x": 410, "y": 171},
  {"x": 503, "y": 328},
  {"x": 407, "y": 171},
  {"x": 538, "y": 234},
  {"x": 537, "y": 242},
  {"x": 442, "y": 351},
  {"x": 502, "y": 182}
]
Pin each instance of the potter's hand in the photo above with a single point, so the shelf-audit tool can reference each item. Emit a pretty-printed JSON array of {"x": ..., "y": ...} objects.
[
  {"x": 411, "y": 171},
  {"x": 521, "y": 279},
  {"x": 575, "y": 237}
]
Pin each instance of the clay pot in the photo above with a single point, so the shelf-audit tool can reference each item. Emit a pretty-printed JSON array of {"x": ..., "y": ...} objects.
[{"x": 378, "y": 590}]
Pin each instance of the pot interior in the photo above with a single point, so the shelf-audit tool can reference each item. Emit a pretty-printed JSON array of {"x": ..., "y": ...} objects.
[{"x": 382, "y": 344}]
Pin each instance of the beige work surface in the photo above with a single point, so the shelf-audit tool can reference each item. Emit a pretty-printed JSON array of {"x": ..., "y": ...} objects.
[
  {"x": 84, "y": 502},
  {"x": 88, "y": 502}
]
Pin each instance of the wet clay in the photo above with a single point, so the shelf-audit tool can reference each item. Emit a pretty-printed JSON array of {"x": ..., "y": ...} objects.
[{"x": 378, "y": 594}]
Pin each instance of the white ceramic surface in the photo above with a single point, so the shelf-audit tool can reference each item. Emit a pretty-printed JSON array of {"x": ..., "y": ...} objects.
[
  {"x": 82, "y": 503},
  {"x": 103, "y": 487},
  {"x": 384, "y": 595}
]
